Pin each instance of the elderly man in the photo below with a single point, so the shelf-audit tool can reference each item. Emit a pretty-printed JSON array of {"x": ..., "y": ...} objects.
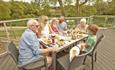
[{"x": 29, "y": 46}]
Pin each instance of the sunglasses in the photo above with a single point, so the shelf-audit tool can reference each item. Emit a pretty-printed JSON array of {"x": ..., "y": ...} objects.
[{"x": 36, "y": 25}]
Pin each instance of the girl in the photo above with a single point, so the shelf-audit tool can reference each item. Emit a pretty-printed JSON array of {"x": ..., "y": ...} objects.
[{"x": 54, "y": 26}]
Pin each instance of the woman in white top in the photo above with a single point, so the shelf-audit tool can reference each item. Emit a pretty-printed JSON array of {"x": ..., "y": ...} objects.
[{"x": 44, "y": 25}]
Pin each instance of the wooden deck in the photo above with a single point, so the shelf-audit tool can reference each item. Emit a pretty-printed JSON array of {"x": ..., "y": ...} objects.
[
  {"x": 106, "y": 52},
  {"x": 105, "y": 56},
  {"x": 7, "y": 63}
]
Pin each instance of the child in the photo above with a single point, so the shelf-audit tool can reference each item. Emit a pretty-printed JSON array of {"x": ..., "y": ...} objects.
[
  {"x": 85, "y": 46},
  {"x": 91, "y": 40},
  {"x": 54, "y": 26}
]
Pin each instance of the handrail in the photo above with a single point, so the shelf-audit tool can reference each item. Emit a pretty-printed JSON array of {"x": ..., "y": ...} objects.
[
  {"x": 3, "y": 54},
  {"x": 7, "y": 21}
]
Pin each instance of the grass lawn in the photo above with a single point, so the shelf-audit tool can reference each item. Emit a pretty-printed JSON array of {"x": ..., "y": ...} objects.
[{"x": 13, "y": 32}]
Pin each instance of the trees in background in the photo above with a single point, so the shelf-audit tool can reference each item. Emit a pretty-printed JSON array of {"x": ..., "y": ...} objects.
[
  {"x": 15, "y": 10},
  {"x": 111, "y": 8},
  {"x": 5, "y": 10}
]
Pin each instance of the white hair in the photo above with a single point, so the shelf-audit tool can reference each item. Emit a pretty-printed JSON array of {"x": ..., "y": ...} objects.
[
  {"x": 83, "y": 20},
  {"x": 31, "y": 22}
]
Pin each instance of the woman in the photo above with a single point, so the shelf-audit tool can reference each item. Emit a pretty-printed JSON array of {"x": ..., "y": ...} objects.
[
  {"x": 54, "y": 26},
  {"x": 44, "y": 25},
  {"x": 82, "y": 26}
]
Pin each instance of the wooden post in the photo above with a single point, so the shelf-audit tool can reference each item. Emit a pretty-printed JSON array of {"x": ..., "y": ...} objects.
[
  {"x": 7, "y": 33},
  {"x": 13, "y": 32}
]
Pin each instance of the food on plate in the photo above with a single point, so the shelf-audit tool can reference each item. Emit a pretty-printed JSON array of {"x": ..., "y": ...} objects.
[
  {"x": 57, "y": 37},
  {"x": 61, "y": 42},
  {"x": 46, "y": 40}
]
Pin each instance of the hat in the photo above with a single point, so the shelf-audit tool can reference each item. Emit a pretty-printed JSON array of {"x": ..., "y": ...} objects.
[{"x": 83, "y": 20}]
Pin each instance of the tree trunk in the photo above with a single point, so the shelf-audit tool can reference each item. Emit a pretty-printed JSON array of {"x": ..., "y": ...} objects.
[
  {"x": 62, "y": 8},
  {"x": 78, "y": 5},
  {"x": 77, "y": 8}
]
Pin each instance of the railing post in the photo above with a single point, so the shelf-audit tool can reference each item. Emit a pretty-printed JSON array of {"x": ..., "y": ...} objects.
[{"x": 7, "y": 33}]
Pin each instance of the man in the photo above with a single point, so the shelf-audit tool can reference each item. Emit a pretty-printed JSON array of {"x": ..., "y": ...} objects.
[
  {"x": 29, "y": 46},
  {"x": 62, "y": 24}
]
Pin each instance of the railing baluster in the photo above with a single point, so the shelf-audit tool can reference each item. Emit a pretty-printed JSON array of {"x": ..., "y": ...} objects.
[{"x": 7, "y": 33}]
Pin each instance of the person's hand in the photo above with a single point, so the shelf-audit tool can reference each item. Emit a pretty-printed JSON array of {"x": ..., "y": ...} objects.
[
  {"x": 52, "y": 49},
  {"x": 55, "y": 49},
  {"x": 83, "y": 46}
]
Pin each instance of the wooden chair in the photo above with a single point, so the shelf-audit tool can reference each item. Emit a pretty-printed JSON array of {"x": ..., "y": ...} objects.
[
  {"x": 76, "y": 64},
  {"x": 93, "y": 52},
  {"x": 35, "y": 65},
  {"x": 6, "y": 62}
]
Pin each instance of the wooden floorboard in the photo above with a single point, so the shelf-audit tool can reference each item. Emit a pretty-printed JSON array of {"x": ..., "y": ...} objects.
[
  {"x": 3, "y": 62},
  {"x": 105, "y": 54},
  {"x": 7, "y": 63}
]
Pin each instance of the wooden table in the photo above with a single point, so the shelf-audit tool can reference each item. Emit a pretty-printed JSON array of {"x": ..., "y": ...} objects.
[{"x": 66, "y": 46}]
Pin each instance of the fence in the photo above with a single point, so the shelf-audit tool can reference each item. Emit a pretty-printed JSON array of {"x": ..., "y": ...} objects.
[
  {"x": 12, "y": 29},
  {"x": 103, "y": 20}
]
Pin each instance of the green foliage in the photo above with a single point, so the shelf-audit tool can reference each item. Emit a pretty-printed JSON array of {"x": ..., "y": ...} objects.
[
  {"x": 45, "y": 10},
  {"x": 16, "y": 10},
  {"x": 111, "y": 9},
  {"x": 71, "y": 24},
  {"x": 87, "y": 10},
  {"x": 4, "y": 10},
  {"x": 70, "y": 10}
]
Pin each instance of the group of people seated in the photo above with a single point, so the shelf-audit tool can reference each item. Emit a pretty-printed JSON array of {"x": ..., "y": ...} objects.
[
  {"x": 30, "y": 48},
  {"x": 54, "y": 26}
]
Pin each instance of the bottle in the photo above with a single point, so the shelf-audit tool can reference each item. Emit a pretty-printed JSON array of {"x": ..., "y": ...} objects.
[{"x": 53, "y": 39}]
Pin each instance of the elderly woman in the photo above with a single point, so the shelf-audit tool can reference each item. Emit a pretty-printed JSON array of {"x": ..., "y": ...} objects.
[
  {"x": 82, "y": 26},
  {"x": 29, "y": 46}
]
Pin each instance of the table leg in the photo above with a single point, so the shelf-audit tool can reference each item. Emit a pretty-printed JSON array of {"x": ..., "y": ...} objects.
[{"x": 54, "y": 60}]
